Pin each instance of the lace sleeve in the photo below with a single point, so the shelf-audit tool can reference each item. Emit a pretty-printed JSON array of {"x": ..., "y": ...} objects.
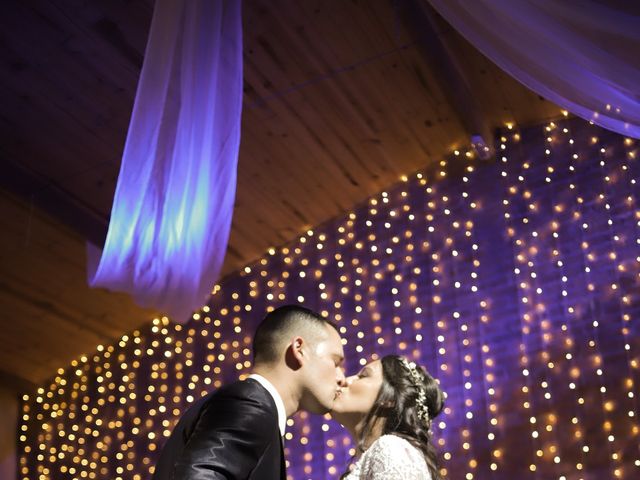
[{"x": 391, "y": 458}]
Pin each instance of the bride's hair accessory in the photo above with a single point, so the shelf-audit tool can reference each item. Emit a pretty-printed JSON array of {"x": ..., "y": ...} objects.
[{"x": 418, "y": 382}]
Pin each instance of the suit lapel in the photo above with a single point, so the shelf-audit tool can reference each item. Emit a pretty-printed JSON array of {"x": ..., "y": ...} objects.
[{"x": 283, "y": 464}]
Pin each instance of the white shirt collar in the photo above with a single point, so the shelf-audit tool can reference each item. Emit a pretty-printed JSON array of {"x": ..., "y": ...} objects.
[{"x": 282, "y": 413}]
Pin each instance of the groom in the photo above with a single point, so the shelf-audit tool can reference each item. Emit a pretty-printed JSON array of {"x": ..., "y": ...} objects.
[{"x": 236, "y": 431}]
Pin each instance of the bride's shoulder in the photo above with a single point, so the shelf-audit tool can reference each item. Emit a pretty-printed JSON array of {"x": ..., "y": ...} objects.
[
  {"x": 393, "y": 457},
  {"x": 393, "y": 447},
  {"x": 392, "y": 441}
]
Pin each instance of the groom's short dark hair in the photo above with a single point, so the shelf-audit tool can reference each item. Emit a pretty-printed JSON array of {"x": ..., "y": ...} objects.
[{"x": 279, "y": 325}]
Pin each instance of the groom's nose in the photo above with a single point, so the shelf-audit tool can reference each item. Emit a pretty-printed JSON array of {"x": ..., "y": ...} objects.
[{"x": 340, "y": 377}]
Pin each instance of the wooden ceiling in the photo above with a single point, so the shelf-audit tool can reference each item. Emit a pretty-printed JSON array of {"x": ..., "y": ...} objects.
[{"x": 341, "y": 99}]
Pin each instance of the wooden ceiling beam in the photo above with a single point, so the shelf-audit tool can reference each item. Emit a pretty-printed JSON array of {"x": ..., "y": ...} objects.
[{"x": 430, "y": 31}]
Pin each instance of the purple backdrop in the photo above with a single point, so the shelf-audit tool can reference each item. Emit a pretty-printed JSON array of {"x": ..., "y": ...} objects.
[{"x": 514, "y": 282}]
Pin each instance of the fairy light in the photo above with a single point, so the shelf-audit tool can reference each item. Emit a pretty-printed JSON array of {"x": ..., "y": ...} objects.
[
  {"x": 461, "y": 247},
  {"x": 630, "y": 171},
  {"x": 567, "y": 368},
  {"x": 614, "y": 177},
  {"x": 559, "y": 354},
  {"x": 585, "y": 224},
  {"x": 434, "y": 274},
  {"x": 517, "y": 195},
  {"x": 480, "y": 314}
]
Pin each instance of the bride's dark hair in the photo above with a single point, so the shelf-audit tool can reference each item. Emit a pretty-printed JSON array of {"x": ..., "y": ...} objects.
[{"x": 397, "y": 409}]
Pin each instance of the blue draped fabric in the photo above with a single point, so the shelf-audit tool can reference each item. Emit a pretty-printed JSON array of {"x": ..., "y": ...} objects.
[
  {"x": 579, "y": 54},
  {"x": 174, "y": 198}
]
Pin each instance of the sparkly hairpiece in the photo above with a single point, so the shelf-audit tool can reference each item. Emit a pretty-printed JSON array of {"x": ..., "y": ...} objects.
[{"x": 421, "y": 402}]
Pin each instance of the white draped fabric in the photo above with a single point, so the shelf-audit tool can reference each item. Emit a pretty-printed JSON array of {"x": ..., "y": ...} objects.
[
  {"x": 580, "y": 54},
  {"x": 174, "y": 199}
]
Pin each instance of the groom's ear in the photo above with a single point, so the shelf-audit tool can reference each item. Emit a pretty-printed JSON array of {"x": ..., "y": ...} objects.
[{"x": 296, "y": 353}]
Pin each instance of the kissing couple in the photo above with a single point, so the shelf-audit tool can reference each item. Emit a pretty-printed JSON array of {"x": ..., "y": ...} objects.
[{"x": 236, "y": 432}]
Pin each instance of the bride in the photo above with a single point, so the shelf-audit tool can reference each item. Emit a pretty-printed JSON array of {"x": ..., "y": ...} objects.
[{"x": 388, "y": 408}]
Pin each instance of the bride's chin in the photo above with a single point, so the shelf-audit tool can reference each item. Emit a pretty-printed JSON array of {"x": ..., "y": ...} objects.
[{"x": 337, "y": 409}]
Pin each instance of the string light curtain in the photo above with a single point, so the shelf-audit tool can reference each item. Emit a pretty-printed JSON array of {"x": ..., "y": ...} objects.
[
  {"x": 515, "y": 282},
  {"x": 581, "y": 55},
  {"x": 174, "y": 199}
]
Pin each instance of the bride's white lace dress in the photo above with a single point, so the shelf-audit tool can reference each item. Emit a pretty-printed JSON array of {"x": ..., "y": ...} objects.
[{"x": 390, "y": 458}]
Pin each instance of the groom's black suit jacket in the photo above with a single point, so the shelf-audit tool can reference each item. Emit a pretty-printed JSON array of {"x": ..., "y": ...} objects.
[{"x": 231, "y": 433}]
